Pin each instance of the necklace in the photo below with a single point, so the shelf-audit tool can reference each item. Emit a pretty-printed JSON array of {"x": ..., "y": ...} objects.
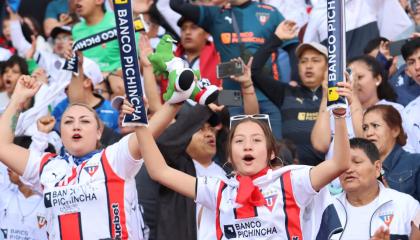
[{"x": 30, "y": 212}]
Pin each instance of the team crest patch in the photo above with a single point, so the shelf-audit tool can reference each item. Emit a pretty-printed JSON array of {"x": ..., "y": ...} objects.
[
  {"x": 387, "y": 218},
  {"x": 91, "y": 169},
  {"x": 4, "y": 231},
  {"x": 41, "y": 221},
  {"x": 263, "y": 17},
  {"x": 270, "y": 199}
]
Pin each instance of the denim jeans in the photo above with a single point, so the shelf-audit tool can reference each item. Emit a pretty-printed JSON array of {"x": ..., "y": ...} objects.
[{"x": 266, "y": 107}]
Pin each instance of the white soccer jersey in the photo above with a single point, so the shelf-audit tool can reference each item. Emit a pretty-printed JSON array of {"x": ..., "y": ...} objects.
[
  {"x": 94, "y": 200},
  {"x": 293, "y": 210},
  {"x": 21, "y": 217}
]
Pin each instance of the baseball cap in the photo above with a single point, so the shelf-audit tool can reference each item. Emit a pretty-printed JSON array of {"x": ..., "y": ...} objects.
[
  {"x": 182, "y": 20},
  {"x": 92, "y": 71},
  {"x": 311, "y": 45},
  {"x": 60, "y": 29},
  {"x": 117, "y": 101}
]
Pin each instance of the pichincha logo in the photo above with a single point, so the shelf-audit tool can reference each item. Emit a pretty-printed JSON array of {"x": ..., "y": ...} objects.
[{"x": 229, "y": 231}]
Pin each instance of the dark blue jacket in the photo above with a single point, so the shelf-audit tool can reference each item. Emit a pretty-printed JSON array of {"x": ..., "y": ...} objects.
[{"x": 402, "y": 171}]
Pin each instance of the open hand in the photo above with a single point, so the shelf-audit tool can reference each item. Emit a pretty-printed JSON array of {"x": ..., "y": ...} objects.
[
  {"x": 145, "y": 50},
  {"x": 287, "y": 30},
  {"x": 245, "y": 78}
]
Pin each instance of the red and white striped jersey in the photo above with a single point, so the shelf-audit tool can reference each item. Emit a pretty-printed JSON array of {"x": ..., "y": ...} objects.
[
  {"x": 289, "y": 212},
  {"x": 94, "y": 200}
]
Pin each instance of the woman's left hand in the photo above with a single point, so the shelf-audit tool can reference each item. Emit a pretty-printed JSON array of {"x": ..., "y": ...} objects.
[{"x": 245, "y": 78}]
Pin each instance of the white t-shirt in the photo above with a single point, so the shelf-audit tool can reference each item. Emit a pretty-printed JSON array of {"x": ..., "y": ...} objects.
[
  {"x": 207, "y": 221},
  {"x": 358, "y": 228},
  {"x": 96, "y": 199},
  {"x": 21, "y": 217}
]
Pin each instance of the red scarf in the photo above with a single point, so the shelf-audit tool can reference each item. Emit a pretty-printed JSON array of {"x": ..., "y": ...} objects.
[{"x": 250, "y": 195}]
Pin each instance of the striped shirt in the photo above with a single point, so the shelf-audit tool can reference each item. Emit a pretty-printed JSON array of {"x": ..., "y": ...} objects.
[
  {"x": 94, "y": 200},
  {"x": 293, "y": 209}
]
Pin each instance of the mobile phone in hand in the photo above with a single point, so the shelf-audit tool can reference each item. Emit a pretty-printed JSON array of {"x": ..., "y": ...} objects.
[
  {"x": 231, "y": 98},
  {"x": 395, "y": 47},
  {"x": 231, "y": 68}
]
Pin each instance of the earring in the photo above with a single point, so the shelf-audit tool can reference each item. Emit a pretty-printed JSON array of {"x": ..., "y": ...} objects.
[{"x": 377, "y": 83}]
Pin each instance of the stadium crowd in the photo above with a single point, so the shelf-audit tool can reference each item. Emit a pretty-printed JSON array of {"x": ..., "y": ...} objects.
[{"x": 267, "y": 160}]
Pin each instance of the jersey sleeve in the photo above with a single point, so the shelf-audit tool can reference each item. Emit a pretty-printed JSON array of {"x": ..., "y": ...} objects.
[
  {"x": 32, "y": 170},
  {"x": 207, "y": 16},
  {"x": 208, "y": 190},
  {"x": 120, "y": 159},
  {"x": 302, "y": 186}
]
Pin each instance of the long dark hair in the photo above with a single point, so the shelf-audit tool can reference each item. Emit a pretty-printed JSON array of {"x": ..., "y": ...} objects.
[{"x": 384, "y": 90}]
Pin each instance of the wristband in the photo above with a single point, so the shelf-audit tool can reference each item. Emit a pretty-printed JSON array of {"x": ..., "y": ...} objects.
[{"x": 248, "y": 86}]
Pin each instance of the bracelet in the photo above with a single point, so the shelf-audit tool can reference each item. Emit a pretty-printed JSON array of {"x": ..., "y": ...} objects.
[
  {"x": 248, "y": 93},
  {"x": 339, "y": 116},
  {"x": 248, "y": 86}
]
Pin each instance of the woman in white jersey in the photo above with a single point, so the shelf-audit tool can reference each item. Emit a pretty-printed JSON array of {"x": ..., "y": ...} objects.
[
  {"x": 88, "y": 193},
  {"x": 259, "y": 202}
]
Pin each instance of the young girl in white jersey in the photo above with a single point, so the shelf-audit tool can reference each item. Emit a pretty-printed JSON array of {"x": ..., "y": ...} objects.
[
  {"x": 88, "y": 193},
  {"x": 259, "y": 202}
]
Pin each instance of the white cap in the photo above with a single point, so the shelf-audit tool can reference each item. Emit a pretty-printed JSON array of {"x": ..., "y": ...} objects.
[{"x": 311, "y": 45}]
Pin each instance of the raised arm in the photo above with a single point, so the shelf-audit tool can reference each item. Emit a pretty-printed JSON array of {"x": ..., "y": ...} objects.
[
  {"x": 157, "y": 124},
  {"x": 158, "y": 169},
  {"x": 186, "y": 9},
  {"x": 320, "y": 137},
  {"x": 150, "y": 86},
  {"x": 247, "y": 89},
  {"x": 273, "y": 89},
  {"x": 328, "y": 170},
  {"x": 13, "y": 156}
]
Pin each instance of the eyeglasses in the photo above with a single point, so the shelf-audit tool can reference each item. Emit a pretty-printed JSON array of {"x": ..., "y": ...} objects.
[{"x": 262, "y": 117}]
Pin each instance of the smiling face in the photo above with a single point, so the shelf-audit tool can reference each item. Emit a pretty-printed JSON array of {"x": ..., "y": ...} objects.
[
  {"x": 80, "y": 130},
  {"x": 249, "y": 148},
  {"x": 362, "y": 173}
]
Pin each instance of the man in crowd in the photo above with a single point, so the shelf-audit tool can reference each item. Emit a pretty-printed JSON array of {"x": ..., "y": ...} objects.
[
  {"x": 299, "y": 105},
  {"x": 406, "y": 82},
  {"x": 254, "y": 23}
]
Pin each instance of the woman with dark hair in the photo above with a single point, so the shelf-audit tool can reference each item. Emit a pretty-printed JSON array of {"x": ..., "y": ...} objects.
[
  {"x": 367, "y": 86},
  {"x": 261, "y": 200},
  {"x": 382, "y": 125}
]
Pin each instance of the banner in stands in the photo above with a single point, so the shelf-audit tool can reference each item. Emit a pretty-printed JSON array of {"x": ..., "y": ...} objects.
[
  {"x": 129, "y": 62},
  {"x": 336, "y": 52}
]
